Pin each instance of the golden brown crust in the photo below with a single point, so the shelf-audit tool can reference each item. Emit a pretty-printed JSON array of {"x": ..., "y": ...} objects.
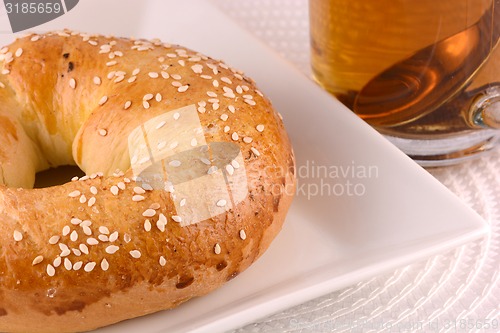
[{"x": 73, "y": 257}]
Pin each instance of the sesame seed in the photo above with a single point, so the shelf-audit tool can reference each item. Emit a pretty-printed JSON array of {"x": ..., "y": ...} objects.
[
  {"x": 18, "y": 236},
  {"x": 77, "y": 265},
  {"x": 206, "y": 77},
  {"x": 226, "y": 80},
  {"x": 89, "y": 267},
  {"x": 84, "y": 248},
  {"x": 86, "y": 230},
  {"x": 135, "y": 254},
  {"x": 111, "y": 63},
  {"x": 72, "y": 83},
  {"x": 161, "y": 124},
  {"x": 139, "y": 190},
  {"x": 149, "y": 213},
  {"x": 137, "y": 198},
  {"x": 92, "y": 241},
  {"x": 212, "y": 169},
  {"x": 183, "y": 202},
  {"x": 176, "y": 116},
  {"x": 111, "y": 75},
  {"x": 103, "y": 132},
  {"x": 76, "y": 221},
  {"x": 147, "y": 225},
  {"x": 92, "y": 202},
  {"x": 221, "y": 203},
  {"x": 93, "y": 190},
  {"x": 243, "y": 235},
  {"x": 114, "y": 190},
  {"x": 217, "y": 249},
  {"x": 54, "y": 240},
  {"x": 153, "y": 75},
  {"x": 74, "y": 194},
  {"x": 260, "y": 128},
  {"x": 127, "y": 238},
  {"x": 158, "y": 97},
  {"x": 165, "y": 75},
  {"x": 86, "y": 223},
  {"x": 73, "y": 236},
  {"x": 215, "y": 106},
  {"x": 155, "y": 206},
  {"x": 163, "y": 261},
  {"x": 37, "y": 260},
  {"x": 113, "y": 237},
  {"x": 177, "y": 218},
  {"x": 104, "y": 264},
  {"x": 121, "y": 186},
  {"x": 175, "y": 163},
  {"x": 248, "y": 96},
  {"x": 235, "y": 164},
  {"x": 104, "y": 230},
  {"x": 247, "y": 139},
  {"x": 103, "y": 100},
  {"x": 76, "y": 252},
  {"x": 19, "y": 52},
  {"x": 119, "y": 79},
  {"x": 136, "y": 71},
  {"x": 239, "y": 90},
  {"x": 226, "y": 129},
  {"x": 205, "y": 161},
  {"x": 183, "y": 88},
  {"x": 5, "y": 71},
  {"x": 57, "y": 262},
  {"x": 148, "y": 97},
  {"x": 201, "y": 109},
  {"x": 127, "y": 105},
  {"x": 211, "y": 94},
  {"x": 35, "y": 38},
  {"x": 112, "y": 249},
  {"x": 67, "y": 264},
  {"x": 250, "y": 101},
  {"x": 182, "y": 63},
  {"x": 255, "y": 151},
  {"x": 51, "y": 271},
  {"x": 103, "y": 238},
  {"x": 146, "y": 104},
  {"x": 132, "y": 79},
  {"x": 198, "y": 69},
  {"x": 230, "y": 169},
  {"x": 83, "y": 199},
  {"x": 74, "y": 179},
  {"x": 235, "y": 136},
  {"x": 66, "y": 230}
]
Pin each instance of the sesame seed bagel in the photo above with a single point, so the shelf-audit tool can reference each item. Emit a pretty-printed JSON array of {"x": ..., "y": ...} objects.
[{"x": 189, "y": 175}]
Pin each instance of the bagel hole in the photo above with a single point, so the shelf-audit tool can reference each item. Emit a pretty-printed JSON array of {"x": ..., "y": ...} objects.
[{"x": 57, "y": 176}]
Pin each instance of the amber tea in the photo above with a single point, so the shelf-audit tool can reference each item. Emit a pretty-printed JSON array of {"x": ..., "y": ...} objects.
[{"x": 412, "y": 69}]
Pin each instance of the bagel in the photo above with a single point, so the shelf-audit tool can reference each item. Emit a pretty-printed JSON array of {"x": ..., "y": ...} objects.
[{"x": 189, "y": 174}]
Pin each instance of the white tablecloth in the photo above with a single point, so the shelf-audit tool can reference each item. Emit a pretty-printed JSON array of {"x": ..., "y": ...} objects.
[{"x": 457, "y": 291}]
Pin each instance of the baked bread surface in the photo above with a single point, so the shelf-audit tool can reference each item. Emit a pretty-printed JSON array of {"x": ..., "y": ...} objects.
[{"x": 108, "y": 247}]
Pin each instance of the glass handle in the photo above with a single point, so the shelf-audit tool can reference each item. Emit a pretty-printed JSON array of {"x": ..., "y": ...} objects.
[{"x": 485, "y": 110}]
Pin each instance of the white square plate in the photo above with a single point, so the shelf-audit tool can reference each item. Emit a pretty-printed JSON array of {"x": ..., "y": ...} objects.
[{"x": 362, "y": 207}]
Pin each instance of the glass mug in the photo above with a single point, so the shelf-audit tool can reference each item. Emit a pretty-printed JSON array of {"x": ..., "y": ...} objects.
[{"x": 424, "y": 73}]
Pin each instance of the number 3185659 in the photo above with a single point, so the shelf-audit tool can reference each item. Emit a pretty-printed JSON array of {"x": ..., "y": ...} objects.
[{"x": 33, "y": 8}]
